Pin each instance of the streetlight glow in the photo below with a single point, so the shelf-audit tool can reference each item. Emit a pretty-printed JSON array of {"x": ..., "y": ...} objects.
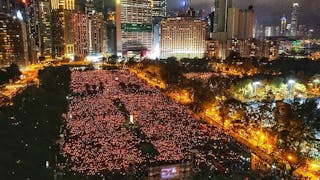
[
  {"x": 291, "y": 81},
  {"x": 255, "y": 86}
]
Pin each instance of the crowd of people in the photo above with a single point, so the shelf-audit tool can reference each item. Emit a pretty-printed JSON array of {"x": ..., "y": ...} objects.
[{"x": 97, "y": 141}]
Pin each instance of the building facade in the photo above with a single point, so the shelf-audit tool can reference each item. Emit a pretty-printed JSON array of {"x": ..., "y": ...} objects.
[
  {"x": 64, "y": 4},
  {"x": 159, "y": 11},
  {"x": 246, "y": 23},
  {"x": 13, "y": 41},
  {"x": 294, "y": 19},
  {"x": 183, "y": 37},
  {"x": 45, "y": 39},
  {"x": 96, "y": 33},
  {"x": 134, "y": 26},
  {"x": 79, "y": 22},
  {"x": 220, "y": 10}
]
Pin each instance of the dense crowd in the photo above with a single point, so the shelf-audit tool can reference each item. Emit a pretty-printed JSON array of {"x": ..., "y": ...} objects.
[
  {"x": 97, "y": 141},
  {"x": 205, "y": 76}
]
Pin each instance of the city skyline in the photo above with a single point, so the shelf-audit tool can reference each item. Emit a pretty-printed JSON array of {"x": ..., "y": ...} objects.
[
  {"x": 159, "y": 89},
  {"x": 267, "y": 12}
]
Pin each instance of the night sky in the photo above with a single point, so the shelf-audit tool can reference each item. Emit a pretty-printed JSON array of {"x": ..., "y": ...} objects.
[{"x": 268, "y": 12}]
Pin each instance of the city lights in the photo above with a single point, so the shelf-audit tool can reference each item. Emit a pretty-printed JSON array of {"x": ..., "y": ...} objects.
[
  {"x": 255, "y": 86},
  {"x": 136, "y": 89}
]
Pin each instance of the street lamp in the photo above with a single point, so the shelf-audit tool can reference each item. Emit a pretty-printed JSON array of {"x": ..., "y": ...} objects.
[
  {"x": 316, "y": 82},
  {"x": 255, "y": 86},
  {"x": 291, "y": 83}
]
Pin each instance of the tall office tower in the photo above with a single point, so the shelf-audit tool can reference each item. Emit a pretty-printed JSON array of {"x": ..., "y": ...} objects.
[
  {"x": 183, "y": 37},
  {"x": 45, "y": 40},
  {"x": 134, "y": 26},
  {"x": 283, "y": 27},
  {"x": 111, "y": 32},
  {"x": 294, "y": 19},
  {"x": 221, "y": 14},
  {"x": 64, "y": 4},
  {"x": 13, "y": 40},
  {"x": 159, "y": 11},
  {"x": 246, "y": 23},
  {"x": 81, "y": 47},
  {"x": 31, "y": 17},
  {"x": 233, "y": 23},
  {"x": 96, "y": 29}
]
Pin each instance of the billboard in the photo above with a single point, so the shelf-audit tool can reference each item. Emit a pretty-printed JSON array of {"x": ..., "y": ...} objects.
[{"x": 169, "y": 172}]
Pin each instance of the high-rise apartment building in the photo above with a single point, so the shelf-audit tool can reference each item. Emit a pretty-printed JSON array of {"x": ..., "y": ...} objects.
[
  {"x": 63, "y": 42},
  {"x": 183, "y": 37},
  {"x": 88, "y": 33},
  {"x": 96, "y": 33},
  {"x": 221, "y": 14},
  {"x": 294, "y": 19},
  {"x": 233, "y": 23},
  {"x": 58, "y": 28},
  {"x": 45, "y": 39},
  {"x": 134, "y": 26},
  {"x": 246, "y": 23},
  {"x": 13, "y": 41},
  {"x": 240, "y": 23},
  {"x": 79, "y": 22}
]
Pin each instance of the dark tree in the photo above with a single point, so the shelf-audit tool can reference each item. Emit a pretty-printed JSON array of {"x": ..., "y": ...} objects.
[
  {"x": 4, "y": 78},
  {"x": 13, "y": 72}
]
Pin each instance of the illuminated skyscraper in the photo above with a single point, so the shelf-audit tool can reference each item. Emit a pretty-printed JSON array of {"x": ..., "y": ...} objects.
[
  {"x": 63, "y": 44},
  {"x": 89, "y": 34},
  {"x": 294, "y": 19},
  {"x": 111, "y": 32},
  {"x": 159, "y": 11},
  {"x": 134, "y": 26},
  {"x": 45, "y": 39},
  {"x": 96, "y": 33},
  {"x": 13, "y": 40},
  {"x": 283, "y": 26},
  {"x": 58, "y": 26},
  {"x": 79, "y": 22},
  {"x": 183, "y": 37}
]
